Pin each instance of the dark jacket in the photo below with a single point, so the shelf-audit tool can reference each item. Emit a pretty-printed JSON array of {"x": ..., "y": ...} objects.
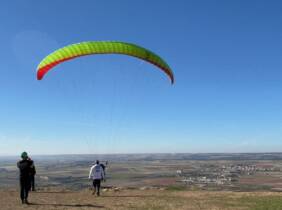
[
  {"x": 25, "y": 168},
  {"x": 32, "y": 169}
]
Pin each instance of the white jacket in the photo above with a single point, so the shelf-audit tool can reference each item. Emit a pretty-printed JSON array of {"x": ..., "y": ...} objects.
[{"x": 96, "y": 172}]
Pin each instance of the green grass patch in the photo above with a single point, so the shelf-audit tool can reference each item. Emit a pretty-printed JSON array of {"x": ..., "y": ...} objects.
[
  {"x": 176, "y": 188},
  {"x": 263, "y": 202}
]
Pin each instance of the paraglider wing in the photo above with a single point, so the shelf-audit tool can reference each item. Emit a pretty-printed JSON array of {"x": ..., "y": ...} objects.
[{"x": 102, "y": 47}]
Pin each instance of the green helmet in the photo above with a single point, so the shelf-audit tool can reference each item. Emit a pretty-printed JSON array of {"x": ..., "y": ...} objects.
[{"x": 24, "y": 155}]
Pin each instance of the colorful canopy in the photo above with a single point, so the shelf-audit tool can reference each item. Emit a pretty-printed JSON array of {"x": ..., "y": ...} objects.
[{"x": 101, "y": 47}]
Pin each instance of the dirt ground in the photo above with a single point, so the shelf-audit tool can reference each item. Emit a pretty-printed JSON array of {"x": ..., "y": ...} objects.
[{"x": 141, "y": 199}]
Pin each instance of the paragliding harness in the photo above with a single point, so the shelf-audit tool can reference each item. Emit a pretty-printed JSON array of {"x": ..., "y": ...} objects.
[{"x": 104, "y": 167}]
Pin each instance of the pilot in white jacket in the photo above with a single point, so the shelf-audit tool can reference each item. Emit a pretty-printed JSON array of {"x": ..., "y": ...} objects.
[{"x": 97, "y": 174}]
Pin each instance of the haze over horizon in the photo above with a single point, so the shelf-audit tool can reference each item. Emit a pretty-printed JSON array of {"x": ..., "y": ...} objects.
[{"x": 226, "y": 58}]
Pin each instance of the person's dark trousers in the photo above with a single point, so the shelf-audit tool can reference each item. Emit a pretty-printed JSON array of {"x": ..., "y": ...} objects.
[
  {"x": 25, "y": 186},
  {"x": 32, "y": 184},
  {"x": 96, "y": 185}
]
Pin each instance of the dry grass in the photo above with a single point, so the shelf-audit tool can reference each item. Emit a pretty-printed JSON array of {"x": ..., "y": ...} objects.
[{"x": 143, "y": 199}]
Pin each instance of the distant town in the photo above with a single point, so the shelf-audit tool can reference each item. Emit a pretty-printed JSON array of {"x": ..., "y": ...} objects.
[{"x": 223, "y": 175}]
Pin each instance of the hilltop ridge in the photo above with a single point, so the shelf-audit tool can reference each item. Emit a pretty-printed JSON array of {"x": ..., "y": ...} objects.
[{"x": 122, "y": 199}]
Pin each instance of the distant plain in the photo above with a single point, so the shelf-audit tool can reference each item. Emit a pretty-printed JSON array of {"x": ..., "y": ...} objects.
[{"x": 150, "y": 181}]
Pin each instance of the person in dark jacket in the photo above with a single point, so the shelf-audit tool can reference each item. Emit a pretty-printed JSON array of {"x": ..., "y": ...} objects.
[
  {"x": 24, "y": 166},
  {"x": 32, "y": 174}
]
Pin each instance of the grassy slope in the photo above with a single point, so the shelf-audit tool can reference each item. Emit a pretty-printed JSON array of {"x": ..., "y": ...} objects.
[{"x": 143, "y": 199}]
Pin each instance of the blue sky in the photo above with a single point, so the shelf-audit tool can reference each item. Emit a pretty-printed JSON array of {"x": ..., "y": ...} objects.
[{"x": 226, "y": 57}]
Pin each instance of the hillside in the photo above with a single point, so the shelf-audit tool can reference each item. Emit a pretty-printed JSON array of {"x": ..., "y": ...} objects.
[
  {"x": 142, "y": 199},
  {"x": 148, "y": 182}
]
